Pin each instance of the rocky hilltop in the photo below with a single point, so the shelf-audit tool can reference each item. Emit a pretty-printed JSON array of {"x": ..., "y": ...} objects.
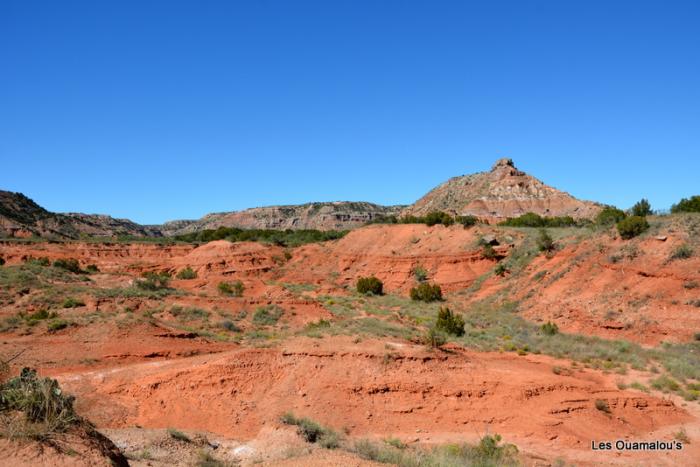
[
  {"x": 340, "y": 215},
  {"x": 502, "y": 193},
  {"x": 22, "y": 217}
]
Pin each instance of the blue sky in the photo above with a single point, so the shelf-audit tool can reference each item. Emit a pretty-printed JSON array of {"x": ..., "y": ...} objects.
[{"x": 163, "y": 110}]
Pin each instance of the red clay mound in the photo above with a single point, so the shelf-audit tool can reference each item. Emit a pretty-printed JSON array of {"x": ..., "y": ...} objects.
[
  {"x": 451, "y": 256},
  {"x": 372, "y": 391}
]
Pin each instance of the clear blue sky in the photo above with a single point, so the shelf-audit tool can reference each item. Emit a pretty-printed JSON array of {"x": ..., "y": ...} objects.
[{"x": 158, "y": 110}]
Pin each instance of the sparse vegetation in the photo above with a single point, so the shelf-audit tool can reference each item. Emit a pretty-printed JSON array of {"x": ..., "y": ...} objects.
[
  {"x": 71, "y": 302},
  {"x": 232, "y": 289},
  {"x": 92, "y": 269},
  {"x": 545, "y": 242},
  {"x": 435, "y": 338},
  {"x": 267, "y": 315},
  {"x": 488, "y": 252},
  {"x": 683, "y": 251},
  {"x": 426, "y": 292},
  {"x": 500, "y": 270},
  {"x": 312, "y": 431},
  {"x": 632, "y": 226},
  {"x": 287, "y": 238},
  {"x": 187, "y": 273},
  {"x": 178, "y": 435},
  {"x": 489, "y": 452},
  {"x": 370, "y": 285},
  {"x": 420, "y": 273},
  {"x": 602, "y": 405}
]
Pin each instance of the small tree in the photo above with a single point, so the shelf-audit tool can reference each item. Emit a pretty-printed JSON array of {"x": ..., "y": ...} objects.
[
  {"x": 610, "y": 215},
  {"x": 642, "y": 208},
  {"x": 370, "y": 285},
  {"x": 426, "y": 292},
  {"x": 449, "y": 322},
  {"x": 687, "y": 205},
  {"x": 632, "y": 226},
  {"x": 467, "y": 221},
  {"x": 545, "y": 242}
]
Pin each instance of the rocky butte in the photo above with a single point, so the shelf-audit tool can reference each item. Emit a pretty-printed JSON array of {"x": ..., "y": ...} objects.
[{"x": 502, "y": 193}]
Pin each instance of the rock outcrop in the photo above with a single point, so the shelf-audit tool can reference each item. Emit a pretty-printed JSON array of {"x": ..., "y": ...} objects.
[
  {"x": 341, "y": 215},
  {"x": 502, "y": 193},
  {"x": 22, "y": 217}
]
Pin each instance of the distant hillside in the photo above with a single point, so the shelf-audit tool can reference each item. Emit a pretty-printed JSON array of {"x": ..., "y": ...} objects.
[
  {"x": 22, "y": 217},
  {"x": 502, "y": 193},
  {"x": 340, "y": 215}
]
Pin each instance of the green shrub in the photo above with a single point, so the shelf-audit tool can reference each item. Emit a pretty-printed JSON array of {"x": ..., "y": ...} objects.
[
  {"x": 687, "y": 205},
  {"x": 641, "y": 209},
  {"x": 71, "y": 302},
  {"x": 545, "y": 242},
  {"x": 500, "y": 270},
  {"x": 178, "y": 435},
  {"x": 370, "y": 285},
  {"x": 632, "y": 226},
  {"x": 426, "y": 292},
  {"x": 438, "y": 217},
  {"x": 187, "y": 273},
  {"x": 684, "y": 251},
  {"x": 467, "y": 221},
  {"x": 189, "y": 313},
  {"x": 420, "y": 273},
  {"x": 41, "y": 261},
  {"x": 602, "y": 405},
  {"x": 550, "y": 329},
  {"x": 610, "y": 215},
  {"x": 2, "y": 261},
  {"x": 234, "y": 289},
  {"x": 488, "y": 252},
  {"x": 40, "y": 315},
  {"x": 448, "y": 322},
  {"x": 40, "y": 401},
  {"x": 68, "y": 264},
  {"x": 267, "y": 315},
  {"x": 57, "y": 325},
  {"x": 230, "y": 326},
  {"x": 92, "y": 269},
  {"x": 153, "y": 281},
  {"x": 312, "y": 431}
]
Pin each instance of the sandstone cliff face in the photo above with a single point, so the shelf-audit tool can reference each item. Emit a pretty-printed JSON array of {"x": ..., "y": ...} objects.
[
  {"x": 342, "y": 215},
  {"x": 502, "y": 193}
]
